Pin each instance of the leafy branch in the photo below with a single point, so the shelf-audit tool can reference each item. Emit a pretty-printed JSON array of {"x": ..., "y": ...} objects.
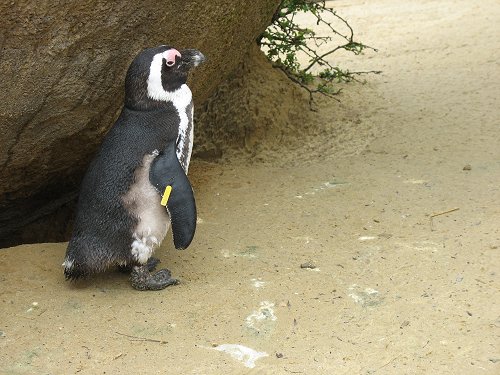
[{"x": 284, "y": 39}]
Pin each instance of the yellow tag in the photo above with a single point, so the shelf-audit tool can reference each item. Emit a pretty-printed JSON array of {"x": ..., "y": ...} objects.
[{"x": 166, "y": 194}]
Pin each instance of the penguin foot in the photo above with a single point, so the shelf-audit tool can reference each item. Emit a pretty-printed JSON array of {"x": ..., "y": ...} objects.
[
  {"x": 142, "y": 279},
  {"x": 151, "y": 265}
]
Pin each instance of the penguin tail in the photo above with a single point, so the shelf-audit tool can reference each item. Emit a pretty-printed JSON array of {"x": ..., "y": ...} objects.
[{"x": 73, "y": 270}]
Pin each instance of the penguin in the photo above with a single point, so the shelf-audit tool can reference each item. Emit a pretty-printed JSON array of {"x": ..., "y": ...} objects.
[{"x": 137, "y": 185}]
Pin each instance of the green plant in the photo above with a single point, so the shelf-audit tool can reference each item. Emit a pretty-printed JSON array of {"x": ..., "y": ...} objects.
[{"x": 284, "y": 39}]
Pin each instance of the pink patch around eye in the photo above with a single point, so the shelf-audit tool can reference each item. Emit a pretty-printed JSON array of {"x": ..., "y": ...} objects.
[{"x": 170, "y": 56}]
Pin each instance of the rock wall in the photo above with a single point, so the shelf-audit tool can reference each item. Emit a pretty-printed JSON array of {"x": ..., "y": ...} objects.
[
  {"x": 253, "y": 113},
  {"x": 63, "y": 65}
]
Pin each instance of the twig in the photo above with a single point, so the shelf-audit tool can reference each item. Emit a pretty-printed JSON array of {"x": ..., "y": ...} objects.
[
  {"x": 388, "y": 363},
  {"x": 367, "y": 72},
  {"x": 41, "y": 312},
  {"x": 293, "y": 372},
  {"x": 136, "y": 338},
  {"x": 444, "y": 212},
  {"x": 311, "y": 92},
  {"x": 439, "y": 214}
]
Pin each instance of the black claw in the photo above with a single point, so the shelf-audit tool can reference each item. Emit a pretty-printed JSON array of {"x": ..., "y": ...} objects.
[{"x": 142, "y": 279}]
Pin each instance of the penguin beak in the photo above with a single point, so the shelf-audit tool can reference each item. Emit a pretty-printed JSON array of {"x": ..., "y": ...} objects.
[{"x": 191, "y": 58}]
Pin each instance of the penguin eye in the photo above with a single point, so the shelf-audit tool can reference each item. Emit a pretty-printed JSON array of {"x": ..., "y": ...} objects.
[{"x": 168, "y": 63}]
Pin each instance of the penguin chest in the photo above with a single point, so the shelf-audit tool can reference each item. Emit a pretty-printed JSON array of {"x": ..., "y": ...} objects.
[{"x": 142, "y": 201}]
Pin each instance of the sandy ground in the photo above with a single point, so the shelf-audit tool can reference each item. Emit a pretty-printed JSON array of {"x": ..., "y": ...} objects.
[{"x": 394, "y": 290}]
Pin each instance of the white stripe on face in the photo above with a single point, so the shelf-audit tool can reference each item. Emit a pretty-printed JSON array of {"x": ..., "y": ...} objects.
[{"x": 180, "y": 98}]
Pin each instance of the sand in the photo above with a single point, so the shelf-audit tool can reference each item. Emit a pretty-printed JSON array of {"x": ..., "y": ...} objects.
[{"x": 372, "y": 248}]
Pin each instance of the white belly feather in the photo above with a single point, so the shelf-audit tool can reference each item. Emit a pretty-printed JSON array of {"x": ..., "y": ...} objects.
[{"x": 143, "y": 202}]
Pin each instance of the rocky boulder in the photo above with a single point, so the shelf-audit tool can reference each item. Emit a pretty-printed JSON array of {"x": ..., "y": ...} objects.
[{"x": 63, "y": 66}]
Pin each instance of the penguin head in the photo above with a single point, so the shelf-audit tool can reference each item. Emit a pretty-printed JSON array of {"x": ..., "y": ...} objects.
[{"x": 157, "y": 73}]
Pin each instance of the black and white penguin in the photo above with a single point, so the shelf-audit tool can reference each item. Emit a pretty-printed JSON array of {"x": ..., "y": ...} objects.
[{"x": 137, "y": 184}]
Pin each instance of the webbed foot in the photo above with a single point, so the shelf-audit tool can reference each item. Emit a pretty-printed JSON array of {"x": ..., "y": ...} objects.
[{"x": 142, "y": 279}]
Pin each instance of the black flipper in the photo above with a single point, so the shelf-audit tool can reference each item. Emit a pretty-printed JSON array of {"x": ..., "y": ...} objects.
[{"x": 167, "y": 171}]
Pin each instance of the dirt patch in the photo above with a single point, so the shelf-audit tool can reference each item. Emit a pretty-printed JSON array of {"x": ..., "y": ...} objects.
[
  {"x": 260, "y": 115},
  {"x": 376, "y": 258}
]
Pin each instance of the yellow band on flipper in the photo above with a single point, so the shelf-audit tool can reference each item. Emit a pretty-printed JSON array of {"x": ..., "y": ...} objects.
[{"x": 166, "y": 195}]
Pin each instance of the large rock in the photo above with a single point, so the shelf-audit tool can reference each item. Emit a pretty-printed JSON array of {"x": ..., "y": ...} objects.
[{"x": 63, "y": 66}]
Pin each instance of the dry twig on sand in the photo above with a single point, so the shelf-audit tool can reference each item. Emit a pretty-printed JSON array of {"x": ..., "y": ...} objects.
[
  {"x": 136, "y": 338},
  {"x": 439, "y": 214}
]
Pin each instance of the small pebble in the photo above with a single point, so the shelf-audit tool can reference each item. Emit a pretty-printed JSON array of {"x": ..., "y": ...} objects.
[
  {"x": 467, "y": 167},
  {"x": 279, "y": 355},
  {"x": 308, "y": 265}
]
